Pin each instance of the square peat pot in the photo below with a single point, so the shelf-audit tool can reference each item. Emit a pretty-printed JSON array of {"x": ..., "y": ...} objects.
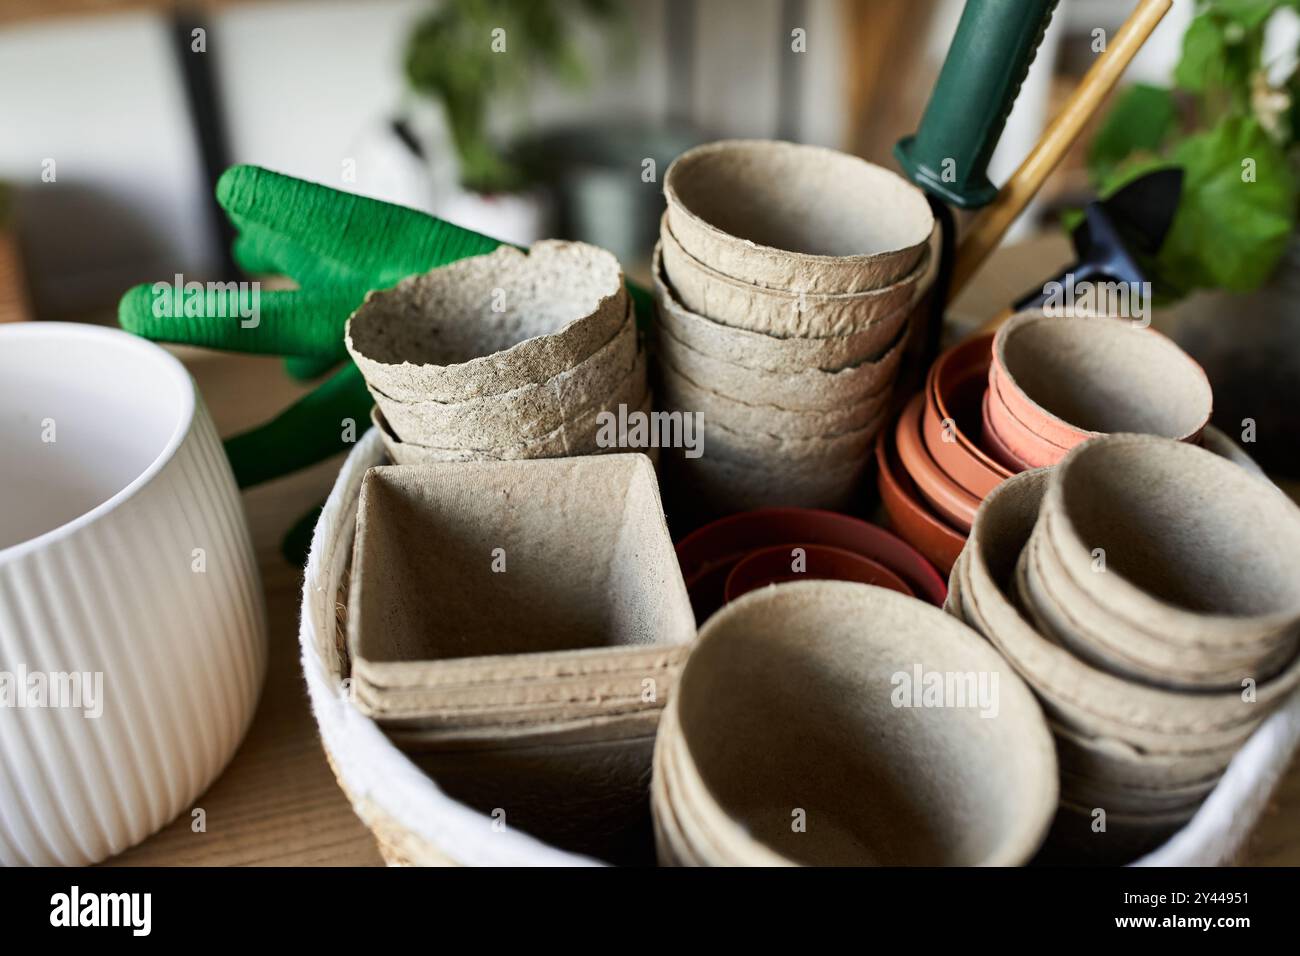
[{"x": 472, "y": 573}]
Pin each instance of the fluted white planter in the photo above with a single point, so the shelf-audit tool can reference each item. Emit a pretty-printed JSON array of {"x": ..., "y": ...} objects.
[{"x": 123, "y": 553}]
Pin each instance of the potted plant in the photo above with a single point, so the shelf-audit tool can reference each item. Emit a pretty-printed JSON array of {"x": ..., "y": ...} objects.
[
  {"x": 1232, "y": 124},
  {"x": 468, "y": 55}
]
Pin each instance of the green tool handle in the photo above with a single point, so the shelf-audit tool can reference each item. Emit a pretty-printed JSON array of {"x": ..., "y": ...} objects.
[{"x": 995, "y": 43}]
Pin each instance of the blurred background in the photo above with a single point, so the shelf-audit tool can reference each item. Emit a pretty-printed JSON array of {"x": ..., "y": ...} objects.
[
  {"x": 116, "y": 116},
  {"x": 138, "y": 105}
]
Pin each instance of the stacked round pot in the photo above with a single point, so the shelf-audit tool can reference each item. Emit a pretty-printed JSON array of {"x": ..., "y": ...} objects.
[
  {"x": 785, "y": 276},
  {"x": 1146, "y": 590},
  {"x": 711, "y": 555},
  {"x": 1054, "y": 383},
  {"x": 502, "y": 356},
  {"x": 791, "y": 680},
  {"x": 934, "y": 465},
  {"x": 996, "y": 406}
]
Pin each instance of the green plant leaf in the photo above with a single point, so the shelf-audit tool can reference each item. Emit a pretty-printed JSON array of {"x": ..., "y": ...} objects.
[
  {"x": 1135, "y": 166},
  {"x": 1070, "y": 218},
  {"x": 1204, "y": 55},
  {"x": 450, "y": 57},
  {"x": 1139, "y": 122},
  {"x": 1249, "y": 14},
  {"x": 1230, "y": 231}
]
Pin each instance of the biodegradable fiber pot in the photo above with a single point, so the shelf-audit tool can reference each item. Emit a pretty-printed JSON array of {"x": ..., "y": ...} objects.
[
  {"x": 750, "y": 414},
  {"x": 578, "y": 436},
  {"x": 1196, "y": 548},
  {"x": 1075, "y": 693},
  {"x": 489, "y": 324},
  {"x": 1070, "y": 614},
  {"x": 545, "y": 567},
  {"x": 1061, "y": 381},
  {"x": 771, "y": 353},
  {"x": 520, "y": 680},
  {"x": 797, "y": 218},
  {"x": 523, "y": 415},
  {"x": 1212, "y": 439},
  {"x": 803, "y": 389},
  {"x": 1121, "y": 769},
  {"x": 776, "y": 311},
  {"x": 757, "y": 456},
  {"x": 790, "y": 680},
  {"x": 583, "y": 789},
  {"x": 128, "y": 581},
  {"x": 1127, "y": 837}
]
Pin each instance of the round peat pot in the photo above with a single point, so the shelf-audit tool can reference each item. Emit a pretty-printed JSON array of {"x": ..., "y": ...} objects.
[
  {"x": 798, "y": 218},
  {"x": 1071, "y": 615},
  {"x": 808, "y": 562},
  {"x": 1075, "y": 693},
  {"x": 749, "y": 414},
  {"x": 439, "y": 336},
  {"x": 808, "y": 389},
  {"x": 526, "y": 415},
  {"x": 788, "y": 681},
  {"x": 1196, "y": 548},
  {"x": 778, "y": 312},
  {"x": 762, "y": 352}
]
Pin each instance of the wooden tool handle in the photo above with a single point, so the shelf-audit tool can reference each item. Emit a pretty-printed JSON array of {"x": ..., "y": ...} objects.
[{"x": 991, "y": 225}]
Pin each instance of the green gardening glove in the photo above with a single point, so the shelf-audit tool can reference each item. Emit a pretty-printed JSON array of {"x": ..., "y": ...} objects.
[{"x": 337, "y": 247}]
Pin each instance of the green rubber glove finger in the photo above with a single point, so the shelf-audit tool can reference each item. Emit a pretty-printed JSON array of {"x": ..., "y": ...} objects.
[
  {"x": 319, "y": 234},
  {"x": 261, "y": 252},
  {"x": 346, "y": 233},
  {"x": 305, "y": 322},
  {"x": 253, "y": 251},
  {"x": 252, "y": 254},
  {"x": 644, "y": 304},
  {"x": 317, "y": 426}
]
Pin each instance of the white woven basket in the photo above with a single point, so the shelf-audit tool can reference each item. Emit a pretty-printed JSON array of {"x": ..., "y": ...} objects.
[{"x": 415, "y": 823}]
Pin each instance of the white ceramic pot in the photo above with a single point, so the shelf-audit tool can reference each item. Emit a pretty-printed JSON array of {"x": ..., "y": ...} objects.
[{"x": 128, "y": 590}]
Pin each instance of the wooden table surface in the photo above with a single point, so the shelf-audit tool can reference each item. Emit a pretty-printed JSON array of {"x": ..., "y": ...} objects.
[{"x": 277, "y": 803}]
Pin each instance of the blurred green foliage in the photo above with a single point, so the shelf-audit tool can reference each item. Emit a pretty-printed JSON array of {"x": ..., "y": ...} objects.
[
  {"x": 1234, "y": 134},
  {"x": 467, "y": 54}
]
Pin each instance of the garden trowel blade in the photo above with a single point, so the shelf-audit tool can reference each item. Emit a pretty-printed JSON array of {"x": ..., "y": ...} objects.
[{"x": 1119, "y": 233}]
